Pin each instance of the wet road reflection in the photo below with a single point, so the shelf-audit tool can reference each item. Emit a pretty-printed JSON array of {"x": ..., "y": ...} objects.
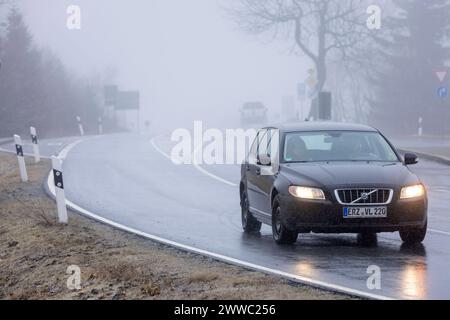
[
  {"x": 414, "y": 281},
  {"x": 315, "y": 256}
]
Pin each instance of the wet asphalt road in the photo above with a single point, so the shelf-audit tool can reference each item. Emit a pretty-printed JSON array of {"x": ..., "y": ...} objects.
[{"x": 125, "y": 179}]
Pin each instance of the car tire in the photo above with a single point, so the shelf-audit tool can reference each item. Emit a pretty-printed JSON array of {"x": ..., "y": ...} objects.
[
  {"x": 281, "y": 234},
  {"x": 249, "y": 223},
  {"x": 367, "y": 239},
  {"x": 414, "y": 235}
]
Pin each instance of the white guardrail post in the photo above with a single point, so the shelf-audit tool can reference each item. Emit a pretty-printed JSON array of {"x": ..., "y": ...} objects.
[
  {"x": 34, "y": 141},
  {"x": 59, "y": 190},
  {"x": 80, "y": 126},
  {"x": 20, "y": 158}
]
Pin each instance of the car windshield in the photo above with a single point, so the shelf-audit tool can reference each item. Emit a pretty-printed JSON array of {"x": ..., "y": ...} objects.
[{"x": 337, "y": 146}]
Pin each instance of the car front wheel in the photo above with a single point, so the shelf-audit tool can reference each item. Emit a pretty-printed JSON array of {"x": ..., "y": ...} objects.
[
  {"x": 414, "y": 235},
  {"x": 281, "y": 234}
]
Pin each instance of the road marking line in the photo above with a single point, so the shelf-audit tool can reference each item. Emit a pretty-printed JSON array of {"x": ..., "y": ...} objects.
[
  {"x": 440, "y": 232},
  {"x": 159, "y": 149},
  {"x": 293, "y": 277},
  {"x": 440, "y": 190},
  {"x": 64, "y": 152},
  {"x": 196, "y": 165},
  {"x": 211, "y": 175}
]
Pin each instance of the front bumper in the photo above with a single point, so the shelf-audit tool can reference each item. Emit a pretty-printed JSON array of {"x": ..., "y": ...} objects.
[{"x": 328, "y": 216}]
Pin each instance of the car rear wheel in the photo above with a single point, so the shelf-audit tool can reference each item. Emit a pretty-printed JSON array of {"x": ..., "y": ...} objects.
[
  {"x": 249, "y": 223},
  {"x": 281, "y": 234},
  {"x": 414, "y": 235}
]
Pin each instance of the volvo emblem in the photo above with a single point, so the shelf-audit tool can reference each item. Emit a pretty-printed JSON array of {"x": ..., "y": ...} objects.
[{"x": 365, "y": 196}]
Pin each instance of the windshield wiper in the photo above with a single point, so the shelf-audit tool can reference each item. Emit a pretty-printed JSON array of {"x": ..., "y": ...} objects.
[{"x": 390, "y": 164}]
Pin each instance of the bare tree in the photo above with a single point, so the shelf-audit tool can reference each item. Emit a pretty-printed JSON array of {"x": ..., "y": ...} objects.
[{"x": 318, "y": 28}]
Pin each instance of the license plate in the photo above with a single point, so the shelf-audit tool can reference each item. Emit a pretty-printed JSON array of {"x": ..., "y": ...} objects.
[{"x": 365, "y": 212}]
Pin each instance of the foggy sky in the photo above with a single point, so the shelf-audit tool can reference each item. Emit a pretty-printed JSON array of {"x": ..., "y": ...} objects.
[{"x": 187, "y": 59}]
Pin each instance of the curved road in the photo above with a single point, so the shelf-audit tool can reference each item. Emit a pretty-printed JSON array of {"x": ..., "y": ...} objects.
[{"x": 128, "y": 179}]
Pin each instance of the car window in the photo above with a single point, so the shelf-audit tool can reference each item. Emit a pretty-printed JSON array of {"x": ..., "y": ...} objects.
[
  {"x": 253, "y": 149},
  {"x": 253, "y": 154},
  {"x": 337, "y": 146},
  {"x": 263, "y": 141}
]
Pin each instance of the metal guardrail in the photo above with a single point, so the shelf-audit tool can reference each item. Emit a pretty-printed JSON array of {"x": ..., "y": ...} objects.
[{"x": 5, "y": 140}]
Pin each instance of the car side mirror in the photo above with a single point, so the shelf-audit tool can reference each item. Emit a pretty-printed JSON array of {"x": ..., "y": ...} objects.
[
  {"x": 264, "y": 160},
  {"x": 411, "y": 158}
]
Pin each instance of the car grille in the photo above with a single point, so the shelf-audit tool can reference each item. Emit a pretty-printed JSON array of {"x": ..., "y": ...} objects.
[{"x": 364, "y": 196}]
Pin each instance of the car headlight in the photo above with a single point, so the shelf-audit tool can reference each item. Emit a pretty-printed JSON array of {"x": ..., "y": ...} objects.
[
  {"x": 410, "y": 192},
  {"x": 307, "y": 193}
]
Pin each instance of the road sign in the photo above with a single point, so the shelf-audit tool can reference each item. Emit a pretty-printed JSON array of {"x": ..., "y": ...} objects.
[
  {"x": 128, "y": 100},
  {"x": 110, "y": 93},
  {"x": 442, "y": 75},
  {"x": 442, "y": 92}
]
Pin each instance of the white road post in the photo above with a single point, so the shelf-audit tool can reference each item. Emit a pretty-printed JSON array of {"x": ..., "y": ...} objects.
[
  {"x": 100, "y": 125},
  {"x": 20, "y": 158},
  {"x": 59, "y": 190},
  {"x": 80, "y": 126},
  {"x": 420, "y": 127},
  {"x": 34, "y": 141}
]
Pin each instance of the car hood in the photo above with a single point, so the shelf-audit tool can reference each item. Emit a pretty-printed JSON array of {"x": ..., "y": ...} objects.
[{"x": 345, "y": 174}]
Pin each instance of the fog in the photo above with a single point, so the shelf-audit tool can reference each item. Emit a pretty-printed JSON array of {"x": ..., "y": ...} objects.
[
  {"x": 186, "y": 57},
  {"x": 382, "y": 63}
]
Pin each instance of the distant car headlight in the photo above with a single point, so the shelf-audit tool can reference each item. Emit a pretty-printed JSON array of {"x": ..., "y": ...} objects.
[
  {"x": 307, "y": 193},
  {"x": 410, "y": 192}
]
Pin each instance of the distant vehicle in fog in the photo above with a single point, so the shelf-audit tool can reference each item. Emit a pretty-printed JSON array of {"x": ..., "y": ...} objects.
[{"x": 253, "y": 113}]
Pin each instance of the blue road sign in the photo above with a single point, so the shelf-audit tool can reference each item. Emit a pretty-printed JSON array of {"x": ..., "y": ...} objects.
[{"x": 442, "y": 92}]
